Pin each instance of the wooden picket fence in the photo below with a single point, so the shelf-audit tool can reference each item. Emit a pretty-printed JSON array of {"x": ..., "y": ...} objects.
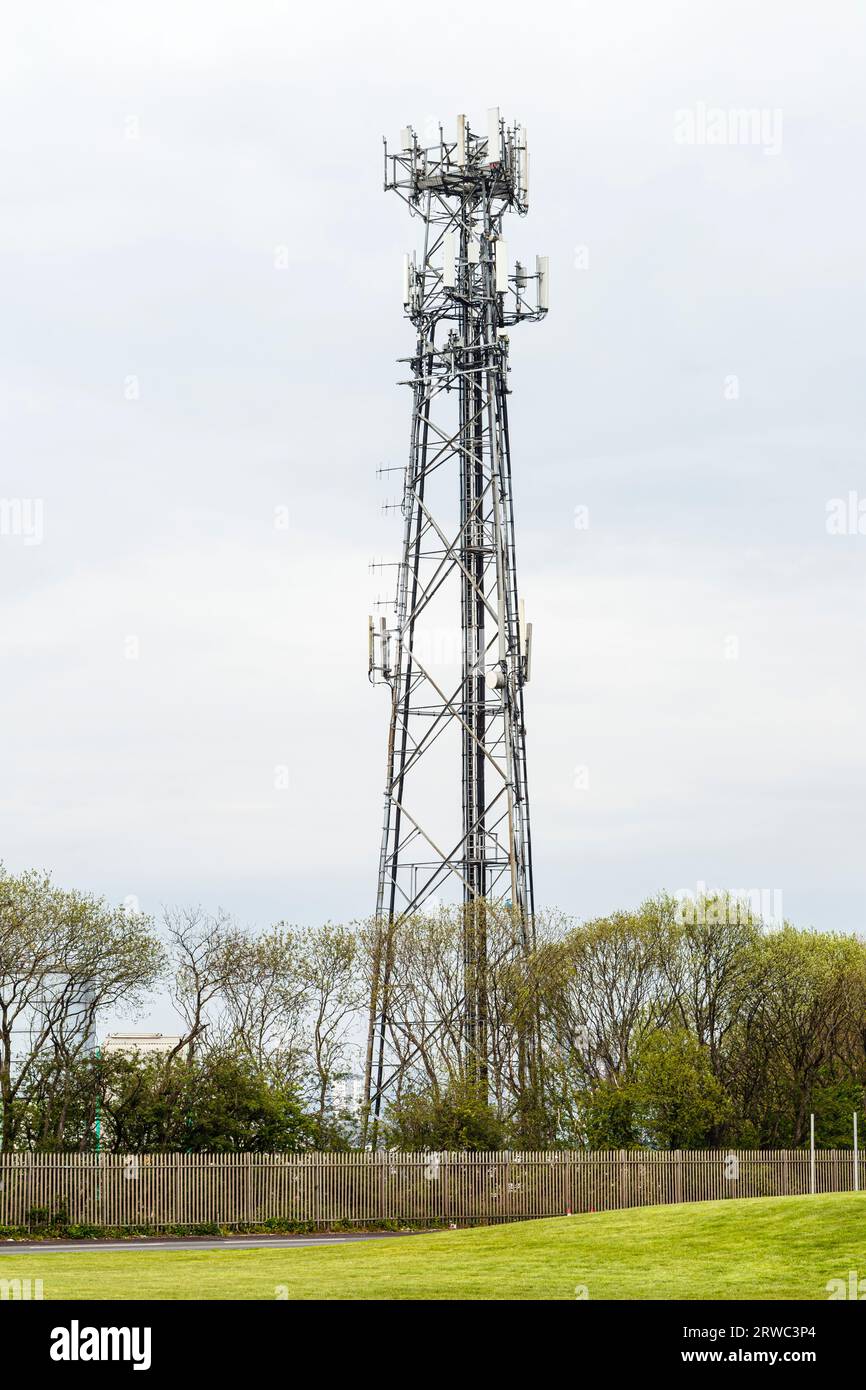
[{"x": 323, "y": 1188}]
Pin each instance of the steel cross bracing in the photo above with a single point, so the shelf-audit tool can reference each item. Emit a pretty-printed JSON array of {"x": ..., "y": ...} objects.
[{"x": 456, "y": 653}]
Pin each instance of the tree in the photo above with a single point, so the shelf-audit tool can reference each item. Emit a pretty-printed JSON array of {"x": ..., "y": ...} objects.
[
  {"x": 803, "y": 1028},
  {"x": 708, "y": 961},
  {"x": 603, "y": 989},
  {"x": 678, "y": 1102},
  {"x": 328, "y": 970},
  {"x": 208, "y": 952},
  {"x": 217, "y": 1103},
  {"x": 265, "y": 999},
  {"x": 455, "y": 1117},
  {"x": 63, "y": 957}
]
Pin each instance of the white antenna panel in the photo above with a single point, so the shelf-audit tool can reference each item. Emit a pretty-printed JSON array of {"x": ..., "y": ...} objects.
[
  {"x": 406, "y": 138},
  {"x": 501, "y": 266},
  {"x": 449, "y": 260},
  {"x": 461, "y": 141},
  {"x": 494, "y": 143},
  {"x": 542, "y": 267},
  {"x": 473, "y": 251}
]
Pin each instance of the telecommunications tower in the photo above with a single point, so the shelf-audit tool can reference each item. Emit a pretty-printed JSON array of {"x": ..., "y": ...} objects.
[{"x": 456, "y": 649}]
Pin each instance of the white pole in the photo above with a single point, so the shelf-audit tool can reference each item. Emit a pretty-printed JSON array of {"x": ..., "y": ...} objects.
[
  {"x": 856, "y": 1157},
  {"x": 812, "y": 1150}
]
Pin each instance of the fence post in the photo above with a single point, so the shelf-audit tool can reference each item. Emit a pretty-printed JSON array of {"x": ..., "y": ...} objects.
[
  {"x": 812, "y": 1153},
  {"x": 678, "y": 1175},
  {"x": 856, "y": 1157}
]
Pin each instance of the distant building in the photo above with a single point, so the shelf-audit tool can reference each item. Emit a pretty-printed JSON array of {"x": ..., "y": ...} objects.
[
  {"x": 347, "y": 1093},
  {"x": 140, "y": 1042}
]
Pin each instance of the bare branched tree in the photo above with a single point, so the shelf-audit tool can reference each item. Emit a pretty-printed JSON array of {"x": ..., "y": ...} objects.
[{"x": 208, "y": 953}]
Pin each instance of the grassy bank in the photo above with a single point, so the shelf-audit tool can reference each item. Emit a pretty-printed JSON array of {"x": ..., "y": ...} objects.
[{"x": 783, "y": 1247}]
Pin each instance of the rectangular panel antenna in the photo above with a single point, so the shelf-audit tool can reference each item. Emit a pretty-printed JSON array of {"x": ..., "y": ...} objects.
[
  {"x": 501, "y": 266},
  {"x": 494, "y": 136},
  {"x": 542, "y": 267},
  {"x": 449, "y": 261}
]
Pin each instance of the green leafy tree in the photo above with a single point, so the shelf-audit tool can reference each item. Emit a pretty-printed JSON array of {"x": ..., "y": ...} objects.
[
  {"x": 217, "y": 1103},
  {"x": 456, "y": 1117},
  {"x": 801, "y": 1033},
  {"x": 608, "y": 1117},
  {"x": 64, "y": 956},
  {"x": 678, "y": 1102}
]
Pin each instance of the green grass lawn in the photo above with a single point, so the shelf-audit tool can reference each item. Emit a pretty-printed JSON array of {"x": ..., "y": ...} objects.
[{"x": 777, "y": 1247}]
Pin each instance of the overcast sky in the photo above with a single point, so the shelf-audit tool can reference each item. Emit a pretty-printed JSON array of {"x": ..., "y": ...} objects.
[{"x": 200, "y": 324}]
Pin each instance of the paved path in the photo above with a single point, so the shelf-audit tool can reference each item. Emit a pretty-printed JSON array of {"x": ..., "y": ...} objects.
[{"x": 61, "y": 1247}]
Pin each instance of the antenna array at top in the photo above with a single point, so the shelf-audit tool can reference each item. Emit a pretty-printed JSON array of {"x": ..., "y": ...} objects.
[{"x": 498, "y": 159}]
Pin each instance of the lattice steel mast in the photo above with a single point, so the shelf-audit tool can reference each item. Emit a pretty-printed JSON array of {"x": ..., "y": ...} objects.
[{"x": 457, "y": 653}]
